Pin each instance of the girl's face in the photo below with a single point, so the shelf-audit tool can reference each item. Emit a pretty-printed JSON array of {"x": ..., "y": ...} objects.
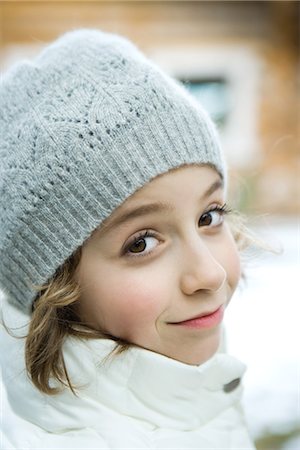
[{"x": 165, "y": 256}]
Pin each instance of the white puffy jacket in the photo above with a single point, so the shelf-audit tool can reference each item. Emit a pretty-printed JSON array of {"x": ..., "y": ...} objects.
[{"x": 137, "y": 400}]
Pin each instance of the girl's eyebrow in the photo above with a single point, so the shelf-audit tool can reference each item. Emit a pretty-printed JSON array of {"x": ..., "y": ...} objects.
[
  {"x": 119, "y": 219},
  {"x": 140, "y": 211}
]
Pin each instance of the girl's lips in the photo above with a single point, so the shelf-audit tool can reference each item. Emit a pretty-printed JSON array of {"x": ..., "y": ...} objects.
[{"x": 203, "y": 321}]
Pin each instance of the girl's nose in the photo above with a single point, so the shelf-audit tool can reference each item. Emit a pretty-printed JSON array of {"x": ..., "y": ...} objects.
[{"x": 201, "y": 270}]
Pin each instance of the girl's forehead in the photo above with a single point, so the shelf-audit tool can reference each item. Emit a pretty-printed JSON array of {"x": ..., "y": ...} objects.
[
  {"x": 161, "y": 194},
  {"x": 192, "y": 177}
]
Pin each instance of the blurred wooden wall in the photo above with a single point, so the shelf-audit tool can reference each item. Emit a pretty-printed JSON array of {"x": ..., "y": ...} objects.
[{"x": 271, "y": 28}]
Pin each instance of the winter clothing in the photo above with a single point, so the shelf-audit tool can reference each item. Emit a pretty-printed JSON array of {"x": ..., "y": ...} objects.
[
  {"x": 83, "y": 126},
  {"x": 136, "y": 400}
]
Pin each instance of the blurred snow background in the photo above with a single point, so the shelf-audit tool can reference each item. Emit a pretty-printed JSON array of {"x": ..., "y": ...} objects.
[{"x": 263, "y": 329}]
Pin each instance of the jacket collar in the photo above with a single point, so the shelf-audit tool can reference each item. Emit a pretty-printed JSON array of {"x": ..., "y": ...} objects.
[
  {"x": 138, "y": 384},
  {"x": 154, "y": 388}
]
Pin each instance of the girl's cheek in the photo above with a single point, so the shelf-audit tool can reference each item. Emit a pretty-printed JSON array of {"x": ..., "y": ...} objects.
[
  {"x": 233, "y": 267},
  {"x": 133, "y": 305},
  {"x": 230, "y": 258}
]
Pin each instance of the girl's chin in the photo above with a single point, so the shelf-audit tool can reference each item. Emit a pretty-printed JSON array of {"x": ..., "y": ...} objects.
[{"x": 200, "y": 353}]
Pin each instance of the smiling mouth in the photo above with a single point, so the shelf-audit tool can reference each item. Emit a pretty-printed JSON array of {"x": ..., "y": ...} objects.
[{"x": 205, "y": 320}]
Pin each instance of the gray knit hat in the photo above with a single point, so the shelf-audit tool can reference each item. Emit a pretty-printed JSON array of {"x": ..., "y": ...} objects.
[{"x": 84, "y": 125}]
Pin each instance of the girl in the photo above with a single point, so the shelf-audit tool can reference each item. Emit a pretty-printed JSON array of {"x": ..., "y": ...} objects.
[{"x": 115, "y": 256}]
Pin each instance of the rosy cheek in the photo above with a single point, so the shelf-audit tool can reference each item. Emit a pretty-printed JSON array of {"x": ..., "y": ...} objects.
[
  {"x": 134, "y": 305},
  {"x": 233, "y": 265},
  {"x": 230, "y": 259}
]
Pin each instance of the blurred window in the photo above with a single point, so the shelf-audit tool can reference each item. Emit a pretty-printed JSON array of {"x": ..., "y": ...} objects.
[{"x": 214, "y": 95}]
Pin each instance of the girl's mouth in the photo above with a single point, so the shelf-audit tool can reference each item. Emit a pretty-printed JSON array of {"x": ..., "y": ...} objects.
[{"x": 204, "y": 320}]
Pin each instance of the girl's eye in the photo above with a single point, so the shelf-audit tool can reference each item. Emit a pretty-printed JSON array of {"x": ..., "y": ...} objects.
[
  {"x": 213, "y": 217},
  {"x": 142, "y": 245}
]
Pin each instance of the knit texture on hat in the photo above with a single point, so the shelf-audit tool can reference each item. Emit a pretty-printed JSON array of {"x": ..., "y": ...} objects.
[{"x": 83, "y": 126}]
